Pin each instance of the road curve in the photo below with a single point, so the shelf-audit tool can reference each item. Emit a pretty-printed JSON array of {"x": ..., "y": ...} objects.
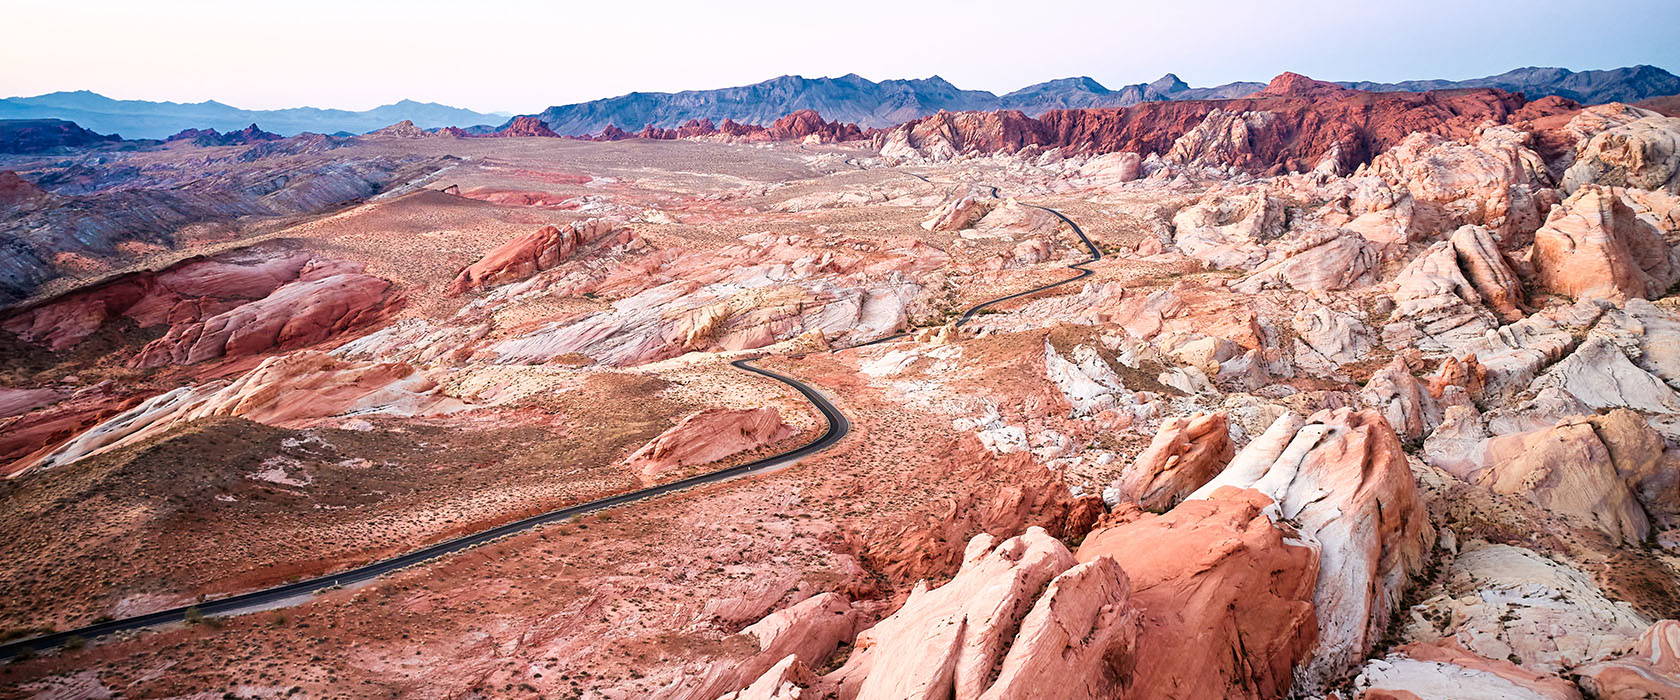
[{"x": 838, "y": 427}]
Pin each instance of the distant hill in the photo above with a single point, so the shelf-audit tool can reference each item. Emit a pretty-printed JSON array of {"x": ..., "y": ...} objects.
[
  {"x": 140, "y": 119},
  {"x": 44, "y": 135},
  {"x": 1588, "y": 87},
  {"x": 868, "y": 103}
]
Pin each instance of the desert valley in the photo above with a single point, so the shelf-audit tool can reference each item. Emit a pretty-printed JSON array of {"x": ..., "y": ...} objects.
[{"x": 1284, "y": 389}]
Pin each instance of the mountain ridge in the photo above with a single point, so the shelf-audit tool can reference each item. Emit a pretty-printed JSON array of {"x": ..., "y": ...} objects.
[
  {"x": 145, "y": 119},
  {"x": 886, "y": 103},
  {"x": 848, "y": 98}
]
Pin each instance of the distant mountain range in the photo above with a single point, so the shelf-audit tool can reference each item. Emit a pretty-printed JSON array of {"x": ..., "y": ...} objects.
[
  {"x": 849, "y": 98},
  {"x": 865, "y": 102},
  {"x": 140, "y": 119},
  {"x": 858, "y": 100}
]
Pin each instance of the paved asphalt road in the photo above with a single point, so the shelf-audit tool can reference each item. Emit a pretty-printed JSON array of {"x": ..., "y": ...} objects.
[{"x": 838, "y": 427}]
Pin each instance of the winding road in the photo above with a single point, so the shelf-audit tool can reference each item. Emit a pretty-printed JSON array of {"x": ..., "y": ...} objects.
[{"x": 838, "y": 427}]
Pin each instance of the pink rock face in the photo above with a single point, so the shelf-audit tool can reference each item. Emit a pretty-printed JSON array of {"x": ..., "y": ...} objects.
[
  {"x": 530, "y": 253},
  {"x": 1596, "y": 246},
  {"x": 298, "y": 314},
  {"x": 1226, "y": 597},
  {"x": 1494, "y": 179},
  {"x": 784, "y": 681},
  {"x": 1651, "y": 671},
  {"x": 1342, "y": 479},
  {"x": 17, "y": 401},
  {"x": 525, "y": 126},
  {"x": 948, "y": 641},
  {"x": 289, "y": 391},
  {"x": 961, "y": 211},
  {"x": 1080, "y": 637},
  {"x": 789, "y": 642},
  {"x": 1419, "y": 671},
  {"x": 1456, "y": 290},
  {"x": 1642, "y": 153},
  {"x": 1186, "y": 453},
  {"x": 1588, "y": 469},
  {"x": 182, "y": 293},
  {"x": 1466, "y": 373},
  {"x": 1403, "y": 399},
  {"x": 705, "y": 437}
]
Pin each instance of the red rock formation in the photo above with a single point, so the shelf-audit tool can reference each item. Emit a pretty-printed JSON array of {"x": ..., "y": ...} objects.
[
  {"x": 527, "y": 254},
  {"x": 1226, "y": 597},
  {"x": 300, "y": 313},
  {"x": 1596, "y": 246},
  {"x": 1342, "y": 479},
  {"x": 1651, "y": 671},
  {"x": 989, "y": 633},
  {"x": 707, "y": 436},
  {"x": 1593, "y": 470},
  {"x": 524, "y": 126},
  {"x": 1079, "y": 638},
  {"x": 1186, "y": 453},
  {"x": 1466, "y": 373},
  {"x": 184, "y": 292},
  {"x": 210, "y": 137},
  {"x": 1020, "y": 492},
  {"x": 806, "y": 123},
  {"x": 15, "y": 190},
  {"x": 1289, "y": 84},
  {"x": 800, "y": 125},
  {"x": 404, "y": 129},
  {"x": 611, "y": 133},
  {"x": 1350, "y": 125}
]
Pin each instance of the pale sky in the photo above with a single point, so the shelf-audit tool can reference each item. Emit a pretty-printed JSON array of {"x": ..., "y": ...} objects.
[{"x": 521, "y": 56}]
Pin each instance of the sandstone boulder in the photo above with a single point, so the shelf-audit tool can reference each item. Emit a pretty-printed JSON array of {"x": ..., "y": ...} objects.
[
  {"x": 1324, "y": 260},
  {"x": 1599, "y": 374},
  {"x": 1185, "y": 454},
  {"x": 962, "y": 210},
  {"x": 1403, "y": 400},
  {"x": 1226, "y": 596},
  {"x": 1644, "y": 153},
  {"x": 1326, "y": 339},
  {"x": 947, "y": 641},
  {"x": 1596, "y": 246},
  {"x": 1229, "y": 230},
  {"x": 1455, "y": 291},
  {"x": 1601, "y": 471},
  {"x": 1494, "y": 180},
  {"x": 1341, "y": 477},
  {"x": 1078, "y": 638},
  {"x": 527, "y": 254},
  {"x": 707, "y": 436}
]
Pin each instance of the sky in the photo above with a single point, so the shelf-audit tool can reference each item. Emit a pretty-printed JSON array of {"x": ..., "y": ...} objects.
[{"x": 520, "y": 56}]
